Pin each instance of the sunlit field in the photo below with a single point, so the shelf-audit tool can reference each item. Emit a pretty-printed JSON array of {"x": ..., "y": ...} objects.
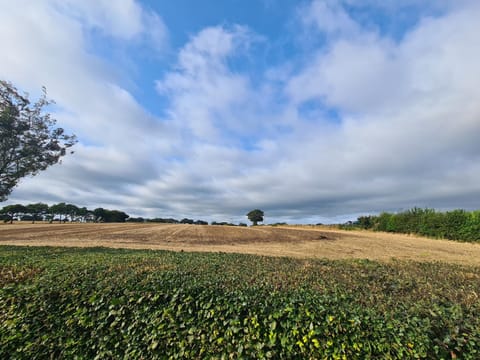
[{"x": 299, "y": 242}]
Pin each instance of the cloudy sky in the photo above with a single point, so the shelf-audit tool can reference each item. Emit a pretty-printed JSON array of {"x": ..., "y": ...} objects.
[{"x": 313, "y": 111}]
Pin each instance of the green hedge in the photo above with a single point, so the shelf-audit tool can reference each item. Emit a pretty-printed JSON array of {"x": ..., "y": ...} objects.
[
  {"x": 124, "y": 304},
  {"x": 453, "y": 225}
]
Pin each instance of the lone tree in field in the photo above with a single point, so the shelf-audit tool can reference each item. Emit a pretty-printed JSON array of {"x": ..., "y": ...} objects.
[
  {"x": 29, "y": 140},
  {"x": 255, "y": 216}
]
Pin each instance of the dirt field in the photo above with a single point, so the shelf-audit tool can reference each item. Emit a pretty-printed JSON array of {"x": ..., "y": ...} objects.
[{"x": 300, "y": 242}]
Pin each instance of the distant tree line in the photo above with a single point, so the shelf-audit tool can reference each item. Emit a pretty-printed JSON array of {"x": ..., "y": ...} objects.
[
  {"x": 168, "y": 221},
  {"x": 63, "y": 212},
  {"x": 183, "y": 221},
  {"x": 60, "y": 212},
  {"x": 453, "y": 225}
]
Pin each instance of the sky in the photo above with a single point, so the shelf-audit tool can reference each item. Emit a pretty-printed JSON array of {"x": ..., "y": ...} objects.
[{"x": 313, "y": 111}]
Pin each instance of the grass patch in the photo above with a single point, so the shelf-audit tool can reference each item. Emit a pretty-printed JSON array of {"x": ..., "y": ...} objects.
[{"x": 143, "y": 304}]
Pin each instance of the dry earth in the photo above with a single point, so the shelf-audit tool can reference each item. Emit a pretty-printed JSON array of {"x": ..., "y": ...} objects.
[{"x": 302, "y": 242}]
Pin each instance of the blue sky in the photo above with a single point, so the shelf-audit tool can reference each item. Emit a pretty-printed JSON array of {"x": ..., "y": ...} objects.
[{"x": 314, "y": 111}]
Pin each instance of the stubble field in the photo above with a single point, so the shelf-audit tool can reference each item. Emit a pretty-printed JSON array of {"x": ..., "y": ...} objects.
[{"x": 298, "y": 242}]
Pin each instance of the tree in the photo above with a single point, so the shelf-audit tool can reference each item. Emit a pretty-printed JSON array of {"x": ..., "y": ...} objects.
[
  {"x": 201, "y": 222},
  {"x": 29, "y": 140},
  {"x": 105, "y": 215},
  {"x": 365, "y": 222},
  {"x": 12, "y": 210},
  {"x": 255, "y": 216},
  {"x": 36, "y": 210},
  {"x": 100, "y": 214},
  {"x": 115, "y": 216},
  {"x": 72, "y": 210},
  {"x": 136, "y": 220},
  {"x": 84, "y": 214},
  {"x": 59, "y": 209}
]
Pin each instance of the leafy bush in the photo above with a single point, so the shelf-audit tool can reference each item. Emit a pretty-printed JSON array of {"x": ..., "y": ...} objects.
[
  {"x": 453, "y": 225},
  {"x": 106, "y": 303}
]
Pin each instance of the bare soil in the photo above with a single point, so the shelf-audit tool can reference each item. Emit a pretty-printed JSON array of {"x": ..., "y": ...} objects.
[{"x": 300, "y": 242}]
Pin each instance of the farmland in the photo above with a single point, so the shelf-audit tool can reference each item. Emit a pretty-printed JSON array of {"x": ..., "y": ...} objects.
[
  {"x": 74, "y": 299},
  {"x": 299, "y": 242}
]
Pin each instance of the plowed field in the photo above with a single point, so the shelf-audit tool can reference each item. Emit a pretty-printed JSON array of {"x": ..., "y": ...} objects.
[{"x": 301, "y": 242}]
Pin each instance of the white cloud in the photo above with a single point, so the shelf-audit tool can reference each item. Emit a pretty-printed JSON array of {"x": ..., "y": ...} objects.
[
  {"x": 408, "y": 109},
  {"x": 203, "y": 91},
  {"x": 329, "y": 17},
  {"x": 404, "y": 134},
  {"x": 117, "y": 136},
  {"x": 123, "y": 19}
]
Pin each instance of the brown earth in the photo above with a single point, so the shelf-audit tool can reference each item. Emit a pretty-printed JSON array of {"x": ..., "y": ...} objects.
[{"x": 301, "y": 242}]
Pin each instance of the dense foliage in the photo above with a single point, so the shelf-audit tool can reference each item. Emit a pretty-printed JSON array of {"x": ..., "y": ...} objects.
[
  {"x": 29, "y": 140},
  {"x": 255, "y": 216},
  {"x": 61, "y": 212},
  {"x": 105, "y": 303},
  {"x": 453, "y": 225}
]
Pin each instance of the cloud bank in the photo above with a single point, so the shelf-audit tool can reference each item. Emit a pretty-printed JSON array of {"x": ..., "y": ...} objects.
[{"x": 357, "y": 120}]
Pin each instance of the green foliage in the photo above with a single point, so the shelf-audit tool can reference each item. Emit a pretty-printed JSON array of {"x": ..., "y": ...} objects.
[
  {"x": 106, "y": 303},
  {"x": 163, "y": 221},
  {"x": 365, "y": 222},
  {"x": 255, "y": 216},
  {"x": 36, "y": 210},
  {"x": 29, "y": 141},
  {"x": 62, "y": 212},
  {"x": 105, "y": 215},
  {"x": 59, "y": 209},
  {"x": 453, "y": 225},
  {"x": 136, "y": 220},
  {"x": 223, "y": 223},
  {"x": 187, "y": 221},
  {"x": 13, "y": 210}
]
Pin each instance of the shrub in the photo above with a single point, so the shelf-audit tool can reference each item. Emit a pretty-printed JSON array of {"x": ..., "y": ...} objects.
[{"x": 106, "y": 303}]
